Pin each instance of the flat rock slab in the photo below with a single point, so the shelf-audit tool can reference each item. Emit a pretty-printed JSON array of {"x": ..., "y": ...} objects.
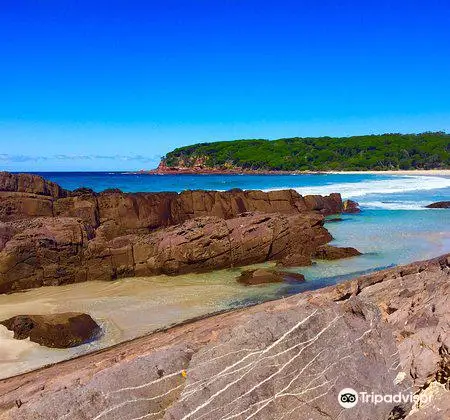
[{"x": 64, "y": 330}]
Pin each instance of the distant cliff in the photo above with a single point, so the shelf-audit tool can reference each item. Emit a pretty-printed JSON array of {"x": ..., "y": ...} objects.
[{"x": 372, "y": 152}]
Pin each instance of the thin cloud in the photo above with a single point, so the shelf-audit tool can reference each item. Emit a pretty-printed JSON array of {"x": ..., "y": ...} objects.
[{"x": 62, "y": 157}]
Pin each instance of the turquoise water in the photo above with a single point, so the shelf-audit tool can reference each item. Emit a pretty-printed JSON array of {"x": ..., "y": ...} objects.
[{"x": 393, "y": 228}]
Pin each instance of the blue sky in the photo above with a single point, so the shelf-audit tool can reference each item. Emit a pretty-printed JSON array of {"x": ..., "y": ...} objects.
[{"x": 113, "y": 85}]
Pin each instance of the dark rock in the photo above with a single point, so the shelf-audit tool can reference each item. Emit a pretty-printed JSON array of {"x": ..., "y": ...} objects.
[
  {"x": 439, "y": 205},
  {"x": 263, "y": 276},
  {"x": 59, "y": 330},
  {"x": 350, "y": 206},
  {"x": 328, "y": 252}
]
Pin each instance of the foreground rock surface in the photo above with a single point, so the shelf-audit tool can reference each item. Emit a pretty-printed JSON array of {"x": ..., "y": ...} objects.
[
  {"x": 50, "y": 236},
  {"x": 64, "y": 330},
  {"x": 288, "y": 359}
]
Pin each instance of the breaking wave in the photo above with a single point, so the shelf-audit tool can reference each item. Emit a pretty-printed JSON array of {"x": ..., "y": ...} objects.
[
  {"x": 400, "y": 184},
  {"x": 392, "y": 205}
]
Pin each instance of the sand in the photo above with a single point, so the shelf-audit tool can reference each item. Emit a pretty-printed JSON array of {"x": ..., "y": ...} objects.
[
  {"x": 125, "y": 308},
  {"x": 430, "y": 172}
]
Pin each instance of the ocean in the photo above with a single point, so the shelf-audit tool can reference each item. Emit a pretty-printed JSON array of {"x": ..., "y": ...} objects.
[{"x": 393, "y": 228}]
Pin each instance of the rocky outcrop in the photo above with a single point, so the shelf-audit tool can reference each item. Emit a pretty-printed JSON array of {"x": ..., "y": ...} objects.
[
  {"x": 124, "y": 213},
  {"x": 331, "y": 204},
  {"x": 351, "y": 207},
  {"x": 49, "y": 236},
  {"x": 439, "y": 205},
  {"x": 295, "y": 260},
  {"x": 263, "y": 276},
  {"x": 385, "y": 333},
  {"x": 328, "y": 252},
  {"x": 59, "y": 330},
  {"x": 28, "y": 183},
  {"x": 61, "y": 250}
]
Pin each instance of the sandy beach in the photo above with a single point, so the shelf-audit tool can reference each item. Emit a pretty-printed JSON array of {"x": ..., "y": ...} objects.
[{"x": 431, "y": 172}]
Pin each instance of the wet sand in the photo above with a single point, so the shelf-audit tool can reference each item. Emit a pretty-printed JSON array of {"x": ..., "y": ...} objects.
[{"x": 125, "y": 308}]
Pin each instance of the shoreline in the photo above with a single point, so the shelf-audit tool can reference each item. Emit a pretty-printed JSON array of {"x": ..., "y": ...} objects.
[
  {"x": 435, "y": 172},
  {"x": 401, "y": 172},
  {"x": 58, "y": 386}
]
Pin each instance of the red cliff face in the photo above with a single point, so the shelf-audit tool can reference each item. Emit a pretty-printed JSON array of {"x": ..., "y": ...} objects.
[{"x": 51, "y": 236}]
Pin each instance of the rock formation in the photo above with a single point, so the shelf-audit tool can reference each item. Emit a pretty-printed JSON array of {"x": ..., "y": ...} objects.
[
  {"x": 64, "y": 330},
  {"x": 50, "y": 236},
  {"x": 350, "y": 206},
  {"x": 263, "y": 276},
  {"x": 328, "y": 252},
  {"x": 385, "y": 333},
  {"x": 439, "y": 205}
]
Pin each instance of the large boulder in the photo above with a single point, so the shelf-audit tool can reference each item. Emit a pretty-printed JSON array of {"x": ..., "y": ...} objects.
[
  {"x": 42, "y": 251},
  {"x": 64, "y": 330},
  {"x": 327, "y": 205}
]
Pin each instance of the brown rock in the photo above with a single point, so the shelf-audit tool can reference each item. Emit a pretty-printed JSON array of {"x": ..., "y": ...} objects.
[
  {"x": 439, "y": 205},
  {"x": 59, "y": 330},
  {"x": 17, "y": 206},
  {"x": 42, "y": 251},
  {"x": 350, "y": 206},
  {"x": 327, "y": 205},
  {"x": 49, "y": 236},
  {"x": 263, "y": 276},
  {"x": 328, "y": 252},
  {"x": 28, "y": 183},
  {"x": 295, "y": 260},
  {"x": 210, "y": 243}
]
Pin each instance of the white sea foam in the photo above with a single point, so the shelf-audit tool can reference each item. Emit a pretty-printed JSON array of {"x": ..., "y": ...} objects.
[
  {"x": 399, "y": 184},
  {"x": 392, "y": 205}
]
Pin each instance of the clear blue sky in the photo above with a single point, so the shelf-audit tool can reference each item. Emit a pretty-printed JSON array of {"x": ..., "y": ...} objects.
[{"x": 113, "y": 85}]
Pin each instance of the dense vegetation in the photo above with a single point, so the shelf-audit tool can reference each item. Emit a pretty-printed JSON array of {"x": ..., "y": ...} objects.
[{"x": 376, "y": 152}]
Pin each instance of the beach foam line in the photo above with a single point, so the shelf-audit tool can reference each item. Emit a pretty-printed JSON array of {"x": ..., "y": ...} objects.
[
  {"x": 391, "y": 205},
  {"x": 386, "y": 186}
]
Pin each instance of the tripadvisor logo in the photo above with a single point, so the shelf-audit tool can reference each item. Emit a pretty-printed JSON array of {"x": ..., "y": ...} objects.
[{"x": 348, "y": 398}]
